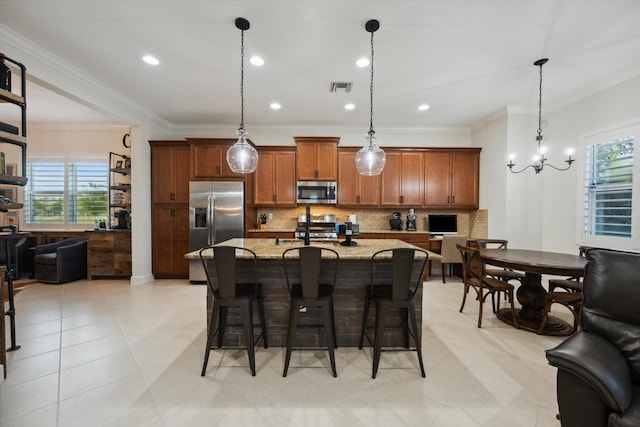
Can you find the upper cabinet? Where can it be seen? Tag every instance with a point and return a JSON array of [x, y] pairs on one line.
[[274, 181], [402, 178], [316, 158], [169, 172], [452, 179], [209, 159], [355, 189]]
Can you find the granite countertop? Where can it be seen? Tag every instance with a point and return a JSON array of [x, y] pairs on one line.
[[267, 249], [363, 231]]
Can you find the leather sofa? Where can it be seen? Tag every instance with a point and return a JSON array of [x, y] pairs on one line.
[[61, 262], [598, 380]]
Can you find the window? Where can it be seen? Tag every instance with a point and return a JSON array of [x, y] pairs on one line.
[[610, 200], [66, 192]]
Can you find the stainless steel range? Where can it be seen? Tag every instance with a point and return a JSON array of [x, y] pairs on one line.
[[321, 227]]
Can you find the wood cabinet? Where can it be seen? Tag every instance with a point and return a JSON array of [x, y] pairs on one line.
[[209, 159], [402, 179], [270, 234], [355, 189], [452, 179], [109, 254], [170, 162], [274, 181], [316, 158], [169, 172], [170, 229]]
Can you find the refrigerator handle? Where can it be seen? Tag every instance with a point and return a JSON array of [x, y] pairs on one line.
[[211, 222]]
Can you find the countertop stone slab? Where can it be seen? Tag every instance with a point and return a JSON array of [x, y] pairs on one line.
[[267, 248]]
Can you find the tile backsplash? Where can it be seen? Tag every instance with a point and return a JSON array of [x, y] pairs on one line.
[[471, 223]]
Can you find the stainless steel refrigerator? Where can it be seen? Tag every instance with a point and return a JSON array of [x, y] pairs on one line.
[[216, 213]]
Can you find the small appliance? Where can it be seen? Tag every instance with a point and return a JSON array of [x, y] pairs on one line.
[[411, 220], [319, 226], [396, 221], [317, 192]]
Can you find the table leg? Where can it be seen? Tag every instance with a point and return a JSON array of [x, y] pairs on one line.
[[531, 295], [12, 308]]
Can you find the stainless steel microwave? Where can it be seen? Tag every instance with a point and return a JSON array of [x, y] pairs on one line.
[[317, 192]]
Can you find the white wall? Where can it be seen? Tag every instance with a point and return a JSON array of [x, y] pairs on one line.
[[540, 211]]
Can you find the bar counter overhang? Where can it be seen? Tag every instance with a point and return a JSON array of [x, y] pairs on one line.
[[349, 294]]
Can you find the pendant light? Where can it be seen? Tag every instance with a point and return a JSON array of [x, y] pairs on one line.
[[540, 160], [370, 159], [241, 156]]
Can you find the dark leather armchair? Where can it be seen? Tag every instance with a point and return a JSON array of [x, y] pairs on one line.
[[599, 367], [61, 262]]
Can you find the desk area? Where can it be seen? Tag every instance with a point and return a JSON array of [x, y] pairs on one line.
[[531, 293], [349, 294]]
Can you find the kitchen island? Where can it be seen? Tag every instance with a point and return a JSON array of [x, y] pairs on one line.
[[348, 297]]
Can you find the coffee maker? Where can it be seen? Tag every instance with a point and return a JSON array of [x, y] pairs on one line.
[[396, 221], [411, 220]]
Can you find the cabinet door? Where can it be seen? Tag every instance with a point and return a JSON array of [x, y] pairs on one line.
[[437, 182], [285, 178], [263, 182], [205, 161], [465, 171], [355, 189], [162, 174], [326, 161], [163, 247], [181, 240], [412, 179], [391, 185], [180, 173], [306, 161], [402, 179]]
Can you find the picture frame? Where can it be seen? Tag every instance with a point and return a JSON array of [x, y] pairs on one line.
[[9, 193], [11, 169]]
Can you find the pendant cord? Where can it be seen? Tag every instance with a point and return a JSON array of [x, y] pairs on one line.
[[539, 138], [371, 131], [242, 80]]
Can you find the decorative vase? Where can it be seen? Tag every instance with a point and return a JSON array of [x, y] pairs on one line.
[[5, 75]]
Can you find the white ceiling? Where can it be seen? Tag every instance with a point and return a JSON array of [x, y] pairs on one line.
[[467, 59]]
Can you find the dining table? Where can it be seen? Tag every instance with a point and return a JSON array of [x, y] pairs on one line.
[[531, 294]]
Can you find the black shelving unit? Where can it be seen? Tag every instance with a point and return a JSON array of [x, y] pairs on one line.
[[19, 139], [119, 183]]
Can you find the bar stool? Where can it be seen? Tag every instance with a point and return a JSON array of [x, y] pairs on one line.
[[231, 292], [313, 288], [396, 290]]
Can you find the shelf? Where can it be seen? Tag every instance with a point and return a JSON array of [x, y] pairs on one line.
[[120, 205], [123, 171], [13, 180], [13, 138], [120, 187], [5, 206], [5, 95]]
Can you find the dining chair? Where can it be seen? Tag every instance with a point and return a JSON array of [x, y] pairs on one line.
[[571, 300], [450, 253], [310, 273], [570, 284], [396, 275], [230, 288], [475, 277], [504, 274]]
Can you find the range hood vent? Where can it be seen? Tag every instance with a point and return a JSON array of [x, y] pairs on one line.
[[343, 87]]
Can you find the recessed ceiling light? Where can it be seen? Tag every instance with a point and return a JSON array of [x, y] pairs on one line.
[[150, 59], [257, 61], [275, 106], [362, 62], [349, 106], [423, 107]]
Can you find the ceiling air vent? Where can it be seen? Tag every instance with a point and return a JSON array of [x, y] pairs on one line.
[[344, 87]]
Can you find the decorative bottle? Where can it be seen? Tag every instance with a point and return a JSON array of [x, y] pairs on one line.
[[5, 75]]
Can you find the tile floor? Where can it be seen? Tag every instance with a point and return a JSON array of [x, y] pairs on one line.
[[104, 353]]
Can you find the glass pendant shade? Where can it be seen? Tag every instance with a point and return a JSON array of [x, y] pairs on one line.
[[241, 156], [370, 159]]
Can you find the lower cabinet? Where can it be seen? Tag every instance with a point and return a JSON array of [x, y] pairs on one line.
[[170, 236], [109, 254]]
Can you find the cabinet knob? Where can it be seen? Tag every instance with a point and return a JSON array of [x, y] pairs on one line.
[[453, 200], [358, 198], [401, 199]]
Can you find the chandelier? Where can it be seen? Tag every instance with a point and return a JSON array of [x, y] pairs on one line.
[[241, 156], [539, 161], [370, 159]]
